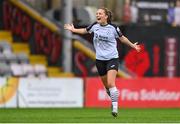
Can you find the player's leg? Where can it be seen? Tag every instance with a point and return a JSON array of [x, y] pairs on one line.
[[112, 68], [104, 80], [108, 71], [102, 70], [111, 76]]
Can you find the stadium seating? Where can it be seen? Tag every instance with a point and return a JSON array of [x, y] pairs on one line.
[[16, 60], [21, 47], [2, 58], [40, 70], [6, 36], [5, 70], [38, 59], [17, 70], [11, 58], [5, 46], [22, 58]]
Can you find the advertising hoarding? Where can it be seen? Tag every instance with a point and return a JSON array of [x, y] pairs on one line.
[[50, 92], [135, 93]]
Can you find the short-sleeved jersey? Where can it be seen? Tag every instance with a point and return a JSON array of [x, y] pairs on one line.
[[104, 40]]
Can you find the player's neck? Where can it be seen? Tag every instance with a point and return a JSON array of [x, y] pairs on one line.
[[104, 24]]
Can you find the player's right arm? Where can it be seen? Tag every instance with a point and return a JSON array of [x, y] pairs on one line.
[[71, 28]]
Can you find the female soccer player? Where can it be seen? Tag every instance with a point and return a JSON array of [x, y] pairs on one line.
[[107, 59]]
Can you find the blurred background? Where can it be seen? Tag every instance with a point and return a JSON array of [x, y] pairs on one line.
[[35, 48]]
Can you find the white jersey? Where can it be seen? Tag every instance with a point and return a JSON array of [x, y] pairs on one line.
[[104, 40]]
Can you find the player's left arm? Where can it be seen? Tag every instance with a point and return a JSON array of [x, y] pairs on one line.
[[126, 41]]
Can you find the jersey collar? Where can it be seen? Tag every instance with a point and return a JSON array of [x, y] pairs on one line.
[[104, 25]]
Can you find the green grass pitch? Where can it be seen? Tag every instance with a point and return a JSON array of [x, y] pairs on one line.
[[89, 115]]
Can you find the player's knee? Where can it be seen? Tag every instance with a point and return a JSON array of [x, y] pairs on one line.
[[110, 84]]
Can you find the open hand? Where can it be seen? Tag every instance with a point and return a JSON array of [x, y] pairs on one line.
[[137, 47], [69, 27]]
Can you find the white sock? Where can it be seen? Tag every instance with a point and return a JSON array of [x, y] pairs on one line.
[[114, 97]]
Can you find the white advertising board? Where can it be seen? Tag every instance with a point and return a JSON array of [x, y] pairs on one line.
[[50, 92]]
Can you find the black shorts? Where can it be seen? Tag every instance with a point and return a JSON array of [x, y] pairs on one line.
[[103, 66]]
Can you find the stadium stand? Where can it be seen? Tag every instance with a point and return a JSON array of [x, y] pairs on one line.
[[17, 70], [16, 60], [4, 46], [40, 70], [5, 70], [22, 58], [21, 47], [2, 58], [11, 58], [6, 36]]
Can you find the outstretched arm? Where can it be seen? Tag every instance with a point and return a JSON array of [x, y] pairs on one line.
[[71, 28], [126, 41]]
